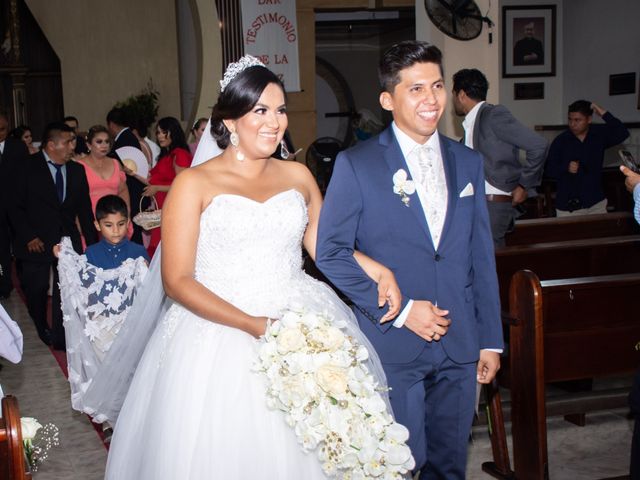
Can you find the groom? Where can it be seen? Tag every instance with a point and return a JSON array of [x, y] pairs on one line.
[[414, 200]]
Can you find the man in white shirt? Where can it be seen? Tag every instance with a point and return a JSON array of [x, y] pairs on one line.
[[494, 132]]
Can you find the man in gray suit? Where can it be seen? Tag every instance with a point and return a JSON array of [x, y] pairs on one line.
[[498, 136]]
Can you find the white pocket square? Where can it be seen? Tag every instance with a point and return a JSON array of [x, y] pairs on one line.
[[467, 191]]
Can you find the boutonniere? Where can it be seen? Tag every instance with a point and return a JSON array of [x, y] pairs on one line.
[[402, 186]]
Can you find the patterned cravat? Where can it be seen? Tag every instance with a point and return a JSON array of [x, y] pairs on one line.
[[433, 180]]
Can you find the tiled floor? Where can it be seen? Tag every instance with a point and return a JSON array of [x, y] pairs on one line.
[[600, 449]]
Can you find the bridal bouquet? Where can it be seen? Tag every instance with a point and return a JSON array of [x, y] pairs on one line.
[[316, 374], [37, 440]]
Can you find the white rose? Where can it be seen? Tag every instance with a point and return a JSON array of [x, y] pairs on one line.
[[332, 379], [290, 340], [30, 427], [332, 338], [293, 391]]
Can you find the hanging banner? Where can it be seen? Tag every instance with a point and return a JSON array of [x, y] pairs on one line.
[[270, 32]]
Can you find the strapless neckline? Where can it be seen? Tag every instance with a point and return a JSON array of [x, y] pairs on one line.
[[257, 202]]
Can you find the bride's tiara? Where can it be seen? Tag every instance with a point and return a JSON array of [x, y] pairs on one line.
[[237, 67]]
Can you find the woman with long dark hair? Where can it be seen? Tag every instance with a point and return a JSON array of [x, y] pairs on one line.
[[174, 157], [24, 133]]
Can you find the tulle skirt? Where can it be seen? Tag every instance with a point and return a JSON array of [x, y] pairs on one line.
[[196, 410]]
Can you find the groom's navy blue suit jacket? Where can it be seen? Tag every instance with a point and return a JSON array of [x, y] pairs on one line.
[[361, 211]]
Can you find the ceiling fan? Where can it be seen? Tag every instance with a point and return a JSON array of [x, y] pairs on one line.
[[460, 19]]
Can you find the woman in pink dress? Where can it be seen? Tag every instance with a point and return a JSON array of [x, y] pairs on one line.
[[104, 174], [174, 157]]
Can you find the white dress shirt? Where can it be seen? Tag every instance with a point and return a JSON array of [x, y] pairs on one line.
[[469, 124], [408, 146], [53, 171]]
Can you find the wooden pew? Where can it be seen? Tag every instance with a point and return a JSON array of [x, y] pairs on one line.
[[560, 330], [557, 229], [12, 458], [568, 259]]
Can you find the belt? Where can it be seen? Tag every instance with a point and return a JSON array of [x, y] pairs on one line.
[[499, 198]]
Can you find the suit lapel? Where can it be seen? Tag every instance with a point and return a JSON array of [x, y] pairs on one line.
[[449, 162], [396, 161], [49, 186]]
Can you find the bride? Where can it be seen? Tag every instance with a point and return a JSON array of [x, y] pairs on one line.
[[232, 230]]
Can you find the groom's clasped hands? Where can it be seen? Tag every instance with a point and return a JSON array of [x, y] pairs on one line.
[[427, 320], [424, 319]]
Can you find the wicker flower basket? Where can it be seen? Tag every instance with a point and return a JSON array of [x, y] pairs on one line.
[[149, 219]]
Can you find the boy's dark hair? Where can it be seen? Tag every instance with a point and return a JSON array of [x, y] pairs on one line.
[[404, 55], [70, 118], [473, 82], [110, 204], [581, 106]]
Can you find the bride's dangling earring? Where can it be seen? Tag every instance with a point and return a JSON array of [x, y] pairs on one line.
[[284, 151], [234, 138]]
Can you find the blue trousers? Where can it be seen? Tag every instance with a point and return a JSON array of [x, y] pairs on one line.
[[434, 398]]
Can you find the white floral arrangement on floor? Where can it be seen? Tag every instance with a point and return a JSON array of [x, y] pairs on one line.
[[37, 440], [317, 376]]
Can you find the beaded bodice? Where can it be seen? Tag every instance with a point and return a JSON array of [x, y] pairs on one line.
[[249, 252]]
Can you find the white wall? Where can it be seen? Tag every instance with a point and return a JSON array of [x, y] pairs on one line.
[[477, 53], [601, 38], [109, 51]]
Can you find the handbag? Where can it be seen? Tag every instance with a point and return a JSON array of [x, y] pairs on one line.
[[149, 219]]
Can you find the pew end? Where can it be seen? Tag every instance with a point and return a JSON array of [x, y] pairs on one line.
[[562, 332], [12, 458]]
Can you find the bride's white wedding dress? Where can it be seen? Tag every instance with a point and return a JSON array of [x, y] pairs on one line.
[[195, 408]]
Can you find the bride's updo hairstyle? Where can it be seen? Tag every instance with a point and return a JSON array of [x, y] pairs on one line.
[[238, 98]]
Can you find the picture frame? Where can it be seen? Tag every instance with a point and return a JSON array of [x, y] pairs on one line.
[[529, 41]]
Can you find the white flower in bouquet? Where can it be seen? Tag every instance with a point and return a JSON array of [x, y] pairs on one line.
[[290, 340], [329, 338], [332, 379], [317, 376]]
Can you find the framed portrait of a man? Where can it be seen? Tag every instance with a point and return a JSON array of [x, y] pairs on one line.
[[529, 41]]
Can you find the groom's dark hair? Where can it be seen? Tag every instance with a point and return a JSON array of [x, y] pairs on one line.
[[403, 55]]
